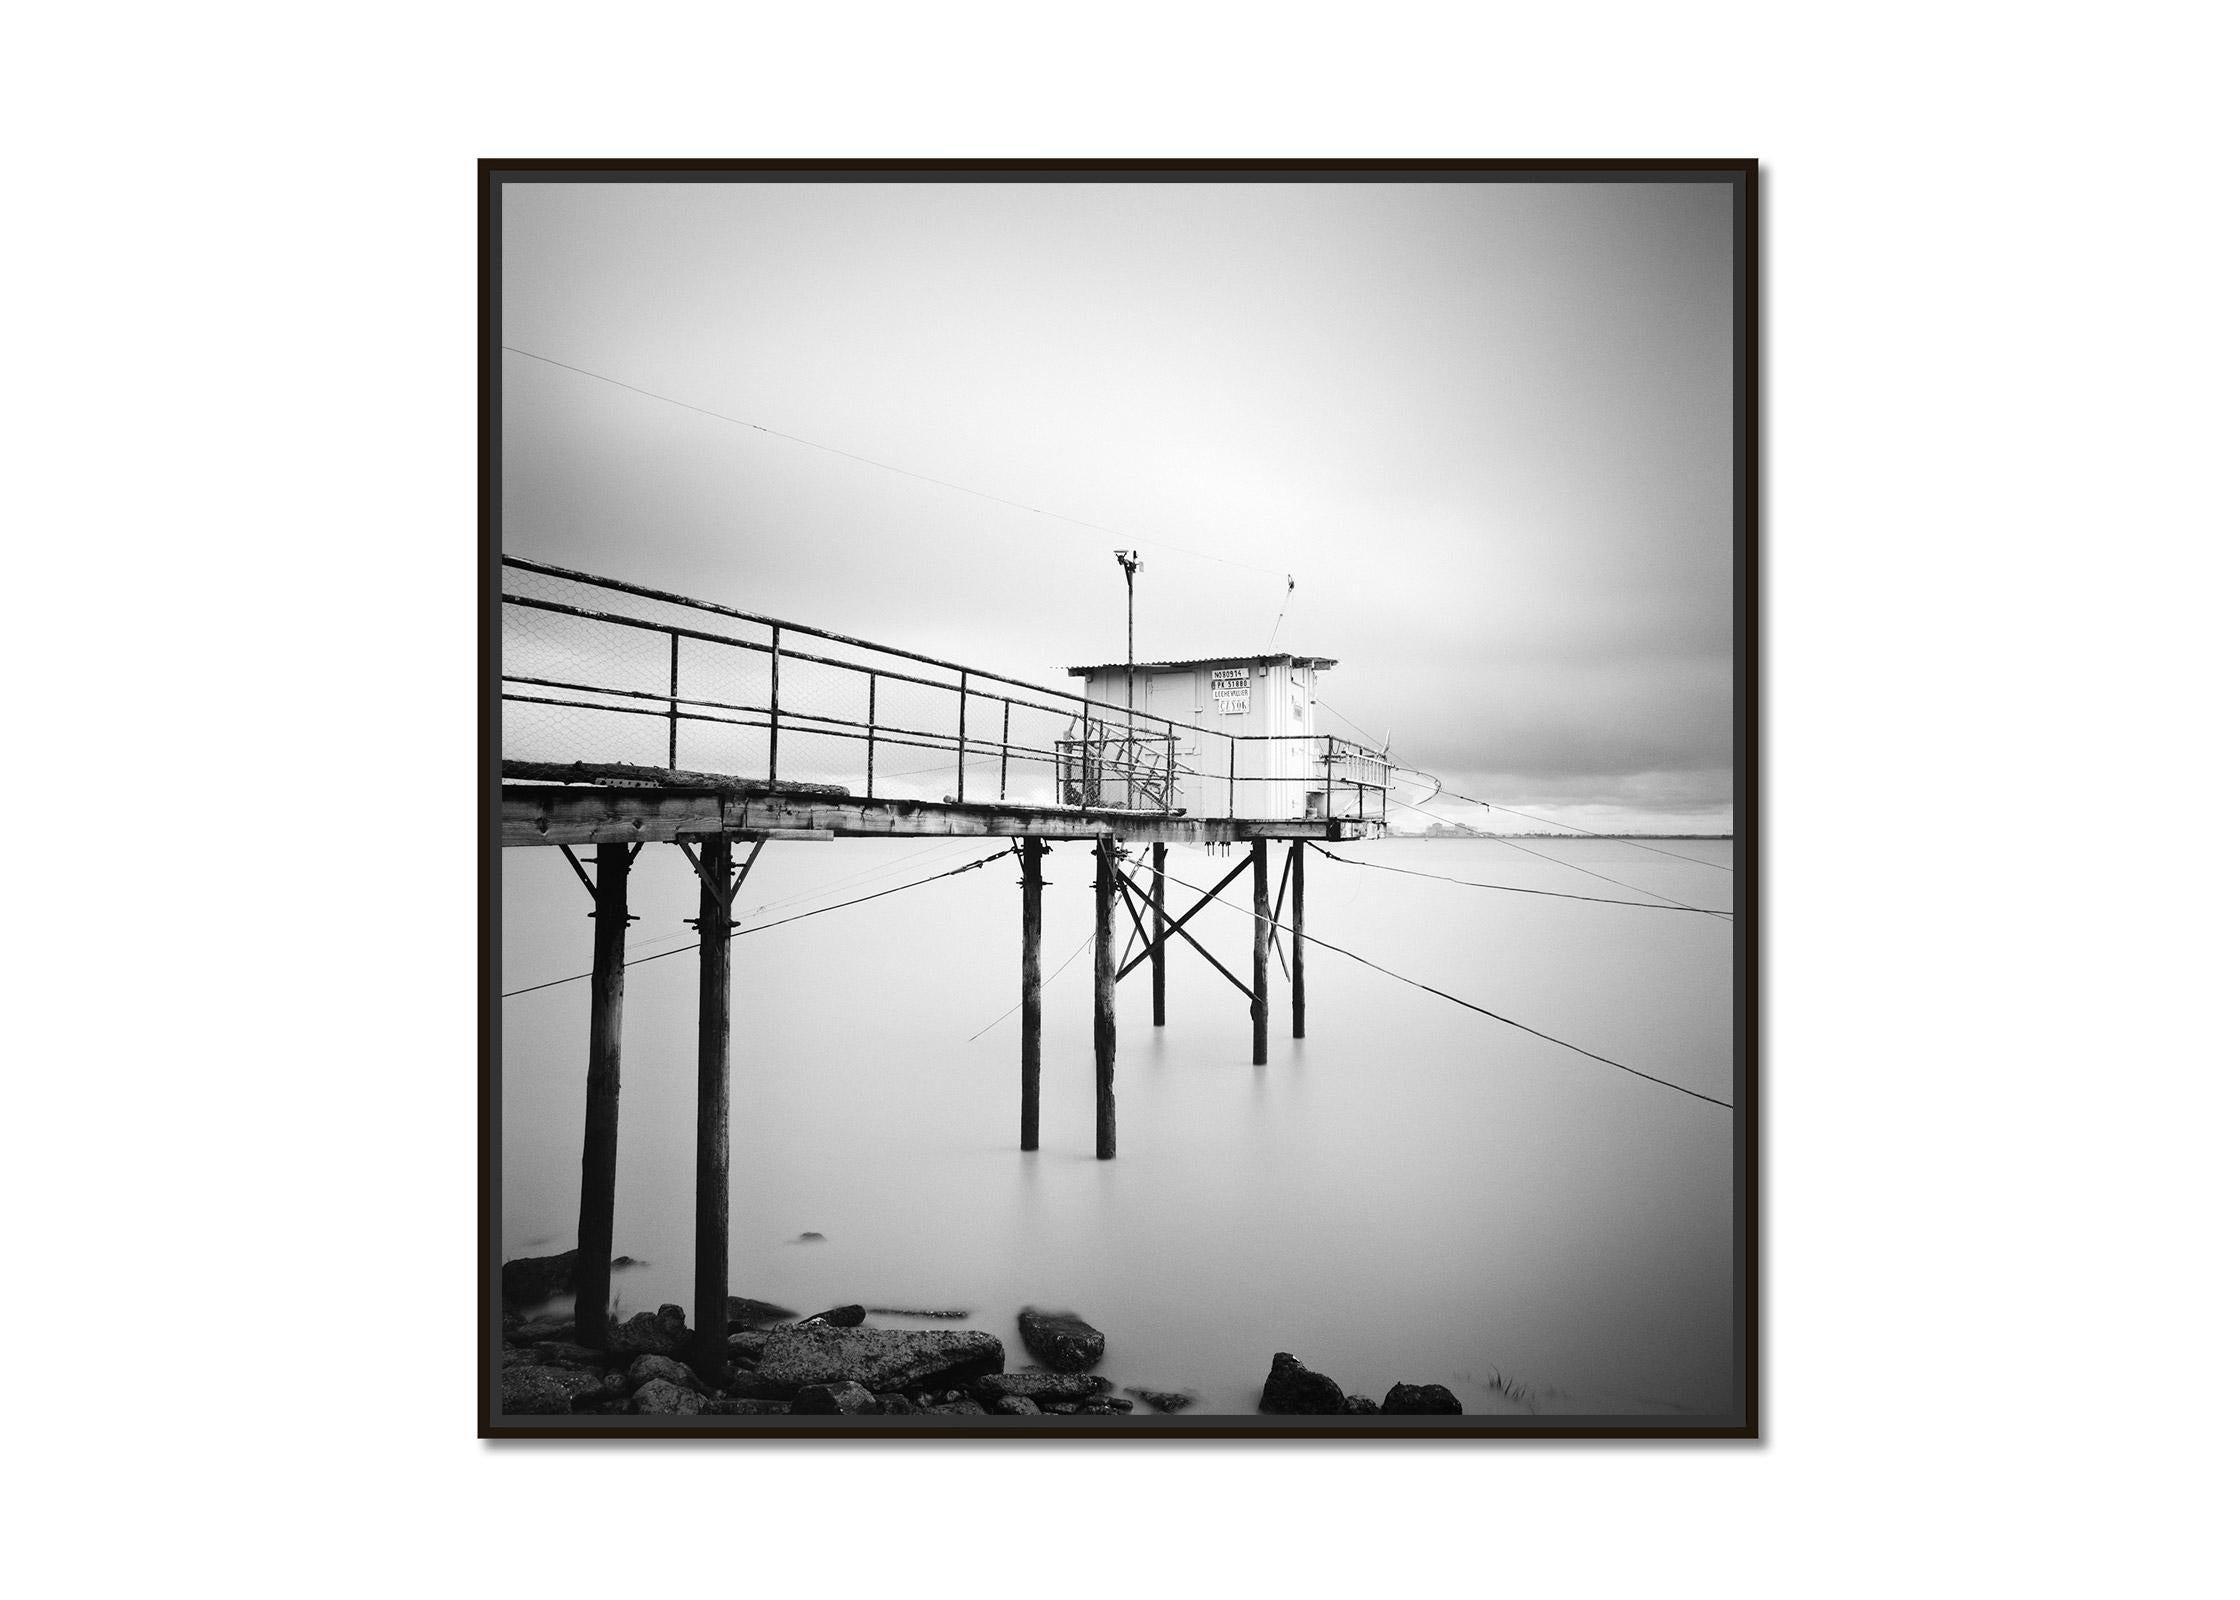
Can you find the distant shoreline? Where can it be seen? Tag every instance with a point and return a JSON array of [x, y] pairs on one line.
[[1482, 834]]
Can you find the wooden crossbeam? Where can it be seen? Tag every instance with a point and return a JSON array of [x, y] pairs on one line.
[[1191, 940], [1204, 900]]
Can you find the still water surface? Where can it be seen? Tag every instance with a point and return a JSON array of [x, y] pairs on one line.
[[1411, 1193]]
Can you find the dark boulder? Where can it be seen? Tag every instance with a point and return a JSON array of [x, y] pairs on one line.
[[646, 1369], [544, 1391], [746, 1348], [837, 1317], [651, 1333], [1360, 1405], [1015, 1405], [532, 1280], [957, 1408], [663, 1399], [895, 1404], [561, 1353], [880, 1359], [1107, 1405], [1060, 1340], [743, 1313], [1167, 1400], [1038, 1386], [1421, 1400], [1061, 1408], [1292, 1390], [835, 1399]]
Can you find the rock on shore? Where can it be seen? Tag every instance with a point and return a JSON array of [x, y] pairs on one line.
[[1421, 1400], [532, 1280], [881, 1360], [1060, 1340], [544, 1391], [651, 1333], [1039, 1386], [1293, 1390]]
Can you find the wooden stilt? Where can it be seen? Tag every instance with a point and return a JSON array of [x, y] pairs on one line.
[[1260, 942], [711, 1201], [602, 1096], [1298, 938], [1159, 943], [1030, 994], [1102, 1031]]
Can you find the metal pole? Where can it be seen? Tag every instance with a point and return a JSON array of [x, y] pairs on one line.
[[1158, 935], [672, 702], [871, 737], [773, 703], [602, 1097], [1030, 994], [711, 1197], [1003, 761], [1102, 1030], [1260, 941], [963, 678], [1232, 777], [1298, 938]]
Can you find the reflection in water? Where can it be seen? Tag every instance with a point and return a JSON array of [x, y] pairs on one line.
[[1412, 1193]]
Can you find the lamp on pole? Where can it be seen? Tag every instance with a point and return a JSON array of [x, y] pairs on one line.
[[1130, 563]]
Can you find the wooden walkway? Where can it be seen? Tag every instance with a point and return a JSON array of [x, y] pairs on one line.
[[544, 803]]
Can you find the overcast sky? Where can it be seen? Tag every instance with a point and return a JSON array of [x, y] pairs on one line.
[[1487, 426]]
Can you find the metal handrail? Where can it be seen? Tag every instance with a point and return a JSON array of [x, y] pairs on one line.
[[1146, 767]]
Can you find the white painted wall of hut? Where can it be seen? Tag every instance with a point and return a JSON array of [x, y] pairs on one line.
[[1277, 772]]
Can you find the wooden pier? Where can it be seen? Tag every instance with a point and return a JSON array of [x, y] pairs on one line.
[[617, 805]]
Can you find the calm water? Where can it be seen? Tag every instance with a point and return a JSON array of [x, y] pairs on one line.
[[1412, 1193]]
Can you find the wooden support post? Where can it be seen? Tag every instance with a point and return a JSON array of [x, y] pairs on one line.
[[602, 1097], [1260, 942], [1102, 1032], [1158, 940], [1030, 994], [711, 1196], [1298, 938]]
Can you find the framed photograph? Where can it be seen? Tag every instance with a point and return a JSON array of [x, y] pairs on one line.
[[1119, 799]]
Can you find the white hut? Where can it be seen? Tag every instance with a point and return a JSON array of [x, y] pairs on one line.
[[1237, 734]]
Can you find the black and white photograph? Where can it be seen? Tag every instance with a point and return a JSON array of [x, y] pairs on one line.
[[1119, 800], [1265, 800]]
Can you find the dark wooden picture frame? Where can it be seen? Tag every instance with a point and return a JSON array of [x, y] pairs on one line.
[[508, 804]]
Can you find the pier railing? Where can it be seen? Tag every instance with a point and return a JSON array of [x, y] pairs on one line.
[[601, 671]]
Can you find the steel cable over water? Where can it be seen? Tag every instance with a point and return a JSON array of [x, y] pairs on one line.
[[1468, 1005], [1276, 924], [1510, 888], [765, 927], [1571, 866]]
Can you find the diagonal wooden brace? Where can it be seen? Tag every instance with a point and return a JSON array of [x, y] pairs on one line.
[[1190, 939], [1174, 924], [724, 894]]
